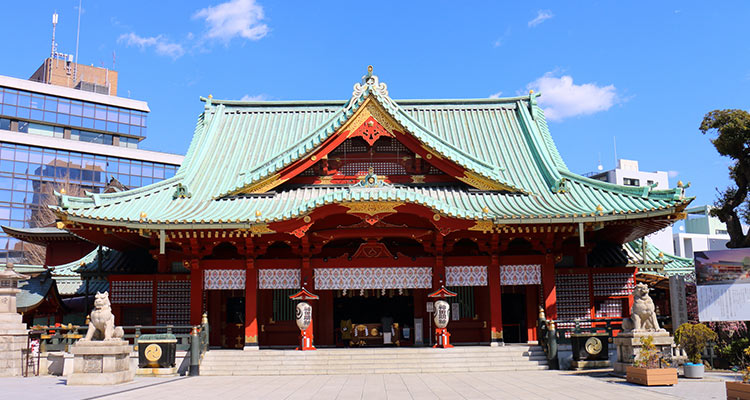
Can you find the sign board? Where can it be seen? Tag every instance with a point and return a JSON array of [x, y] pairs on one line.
[[418, 330], [723, 284], [678, 300], [455, 311], [430, 307]]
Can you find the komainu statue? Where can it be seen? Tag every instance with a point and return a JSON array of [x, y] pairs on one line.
[[643, 314], [102, 322]]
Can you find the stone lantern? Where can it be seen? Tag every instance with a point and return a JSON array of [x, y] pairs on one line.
[[13, 332]]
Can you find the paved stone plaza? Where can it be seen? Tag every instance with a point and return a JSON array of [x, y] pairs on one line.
[[477, 385]]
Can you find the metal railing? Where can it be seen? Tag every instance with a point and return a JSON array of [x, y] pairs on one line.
[[189, 338], [588, 325]]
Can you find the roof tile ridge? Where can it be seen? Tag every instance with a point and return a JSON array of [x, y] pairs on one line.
[[675, 194], [74, 264], [211, 118], [198, 132], [541, 122], [99, 199], [651, 247], [539, 151]]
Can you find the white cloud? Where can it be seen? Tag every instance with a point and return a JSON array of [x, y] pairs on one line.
[[673, 174], [161, 44], [235, 18], [257, 97], [502, 39], [561, 98], [496, 95], [541, 16]]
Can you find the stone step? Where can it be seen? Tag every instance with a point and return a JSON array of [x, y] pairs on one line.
[[366, 358], [262, 354], [373, 361], [467, 363], [362, 371]]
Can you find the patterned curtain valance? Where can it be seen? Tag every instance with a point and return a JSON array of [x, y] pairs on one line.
[[373, 278], [224, 279], [521, 274], [278, 279], [472, 275]]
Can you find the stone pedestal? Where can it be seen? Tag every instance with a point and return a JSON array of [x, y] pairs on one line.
[[13, 337], [628, 345], [13, 332], [101, 363]]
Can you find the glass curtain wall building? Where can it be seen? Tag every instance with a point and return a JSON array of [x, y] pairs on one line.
[[51, 134]]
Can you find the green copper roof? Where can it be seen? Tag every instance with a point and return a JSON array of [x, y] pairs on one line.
[[657, 262], [237, 144]]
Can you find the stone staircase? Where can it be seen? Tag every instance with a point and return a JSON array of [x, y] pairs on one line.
[[388, 360]]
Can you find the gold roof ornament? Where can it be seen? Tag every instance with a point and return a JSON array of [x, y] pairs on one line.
[[143, 215]]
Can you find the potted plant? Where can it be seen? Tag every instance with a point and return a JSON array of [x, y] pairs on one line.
[[693, 338], [650, 368], [740, 390]]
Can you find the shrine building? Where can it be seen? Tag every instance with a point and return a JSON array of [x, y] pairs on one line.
[[371, 204]]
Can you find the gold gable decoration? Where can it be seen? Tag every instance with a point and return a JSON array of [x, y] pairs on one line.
[[372, 208], [482, 183], [371, 108], [483, 226]]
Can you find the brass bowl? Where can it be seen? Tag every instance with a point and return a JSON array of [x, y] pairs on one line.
[[374, 332]]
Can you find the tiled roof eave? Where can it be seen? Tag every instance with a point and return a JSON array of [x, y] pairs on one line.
[[497, 221]]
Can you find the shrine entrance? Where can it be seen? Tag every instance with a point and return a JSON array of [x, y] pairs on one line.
[[519, 308], [371, 318], [228, 323]]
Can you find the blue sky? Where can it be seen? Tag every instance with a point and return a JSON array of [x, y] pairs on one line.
[[645, 73]]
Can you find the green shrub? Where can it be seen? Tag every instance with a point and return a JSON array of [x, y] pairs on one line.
[[693, 339], [648, 356], [734, 352]]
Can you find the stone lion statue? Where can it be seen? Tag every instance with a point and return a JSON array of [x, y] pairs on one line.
[[101, 321], [643, 314]]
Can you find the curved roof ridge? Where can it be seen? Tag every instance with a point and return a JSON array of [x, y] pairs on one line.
[[539, 151], [198, 132], [341, 103], [637, 191], [541, 122], [95, 198]]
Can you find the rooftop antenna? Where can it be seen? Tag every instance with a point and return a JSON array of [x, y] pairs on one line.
[[78, 36], [600, 166], [54, 27], [48, 75]]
